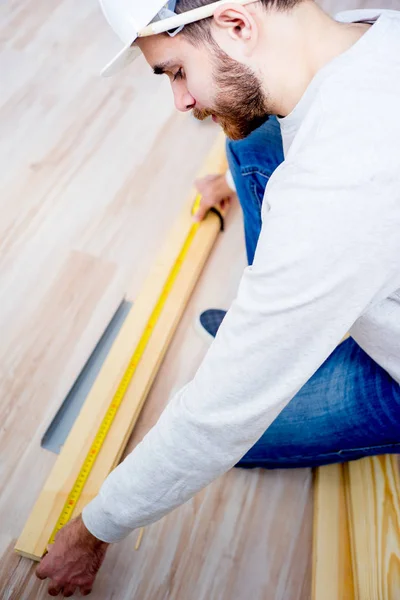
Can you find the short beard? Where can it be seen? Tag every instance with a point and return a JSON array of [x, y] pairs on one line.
[[240, 105]]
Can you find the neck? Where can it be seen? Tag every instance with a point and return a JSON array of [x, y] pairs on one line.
[[297, 45]]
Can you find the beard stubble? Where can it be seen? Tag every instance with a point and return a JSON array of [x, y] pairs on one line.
[[240, 105]]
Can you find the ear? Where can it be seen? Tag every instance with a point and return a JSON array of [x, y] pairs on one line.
[[238, 22]]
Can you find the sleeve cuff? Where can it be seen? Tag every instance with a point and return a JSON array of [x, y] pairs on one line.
[[98, 522], [229, 181]]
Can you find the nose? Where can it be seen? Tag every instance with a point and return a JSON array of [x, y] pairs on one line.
[[184, 101]]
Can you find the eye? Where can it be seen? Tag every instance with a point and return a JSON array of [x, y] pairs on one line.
[[178, 75]]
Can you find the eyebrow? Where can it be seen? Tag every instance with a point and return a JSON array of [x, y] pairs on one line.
[[164, 67]]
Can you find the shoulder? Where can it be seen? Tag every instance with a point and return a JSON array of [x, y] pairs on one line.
[[349, 137]]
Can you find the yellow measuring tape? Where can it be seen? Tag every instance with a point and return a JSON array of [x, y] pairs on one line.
[[119, 395]]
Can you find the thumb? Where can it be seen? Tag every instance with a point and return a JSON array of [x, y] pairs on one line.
[[202, 211], [41, 570]]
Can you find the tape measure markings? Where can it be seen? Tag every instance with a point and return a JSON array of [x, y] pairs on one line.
[[120, 393]]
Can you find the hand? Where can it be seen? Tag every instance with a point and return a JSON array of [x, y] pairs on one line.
[[214, 191], [72, 561]]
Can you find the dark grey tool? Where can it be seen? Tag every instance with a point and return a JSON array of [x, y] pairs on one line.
[[59, 429]]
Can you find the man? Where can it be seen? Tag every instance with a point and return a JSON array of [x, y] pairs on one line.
[[277, 388]]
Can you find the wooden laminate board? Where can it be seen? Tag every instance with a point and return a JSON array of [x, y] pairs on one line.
[[332, 567], [373, 488]]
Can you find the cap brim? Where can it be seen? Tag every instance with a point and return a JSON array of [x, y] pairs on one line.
[[122, 60]]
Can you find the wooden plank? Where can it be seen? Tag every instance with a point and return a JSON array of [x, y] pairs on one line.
[[374, 509], [332, 570], [33, 540]]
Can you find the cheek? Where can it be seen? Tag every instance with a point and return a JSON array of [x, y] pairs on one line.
[[202, 94], [201, 87]]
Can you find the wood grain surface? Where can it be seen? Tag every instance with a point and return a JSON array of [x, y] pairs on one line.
[[332, 567], [93, 174], [374, 508]]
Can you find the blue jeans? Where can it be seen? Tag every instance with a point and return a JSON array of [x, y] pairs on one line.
[[350, 408]]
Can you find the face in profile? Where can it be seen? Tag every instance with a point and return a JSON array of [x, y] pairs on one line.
[[240, 105]]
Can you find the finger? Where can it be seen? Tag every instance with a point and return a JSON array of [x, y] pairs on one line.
[[41, 572], [54, 589], [205, 205], [69, 591], [225, 203], [40, 575], [86, 591], [201, 213]]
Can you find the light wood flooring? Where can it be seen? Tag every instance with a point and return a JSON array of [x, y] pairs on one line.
[[93, 174]]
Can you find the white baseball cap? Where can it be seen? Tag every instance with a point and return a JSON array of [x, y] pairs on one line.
[[131, 19]]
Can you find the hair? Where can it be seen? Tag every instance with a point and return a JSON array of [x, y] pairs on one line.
[[200, 31]]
